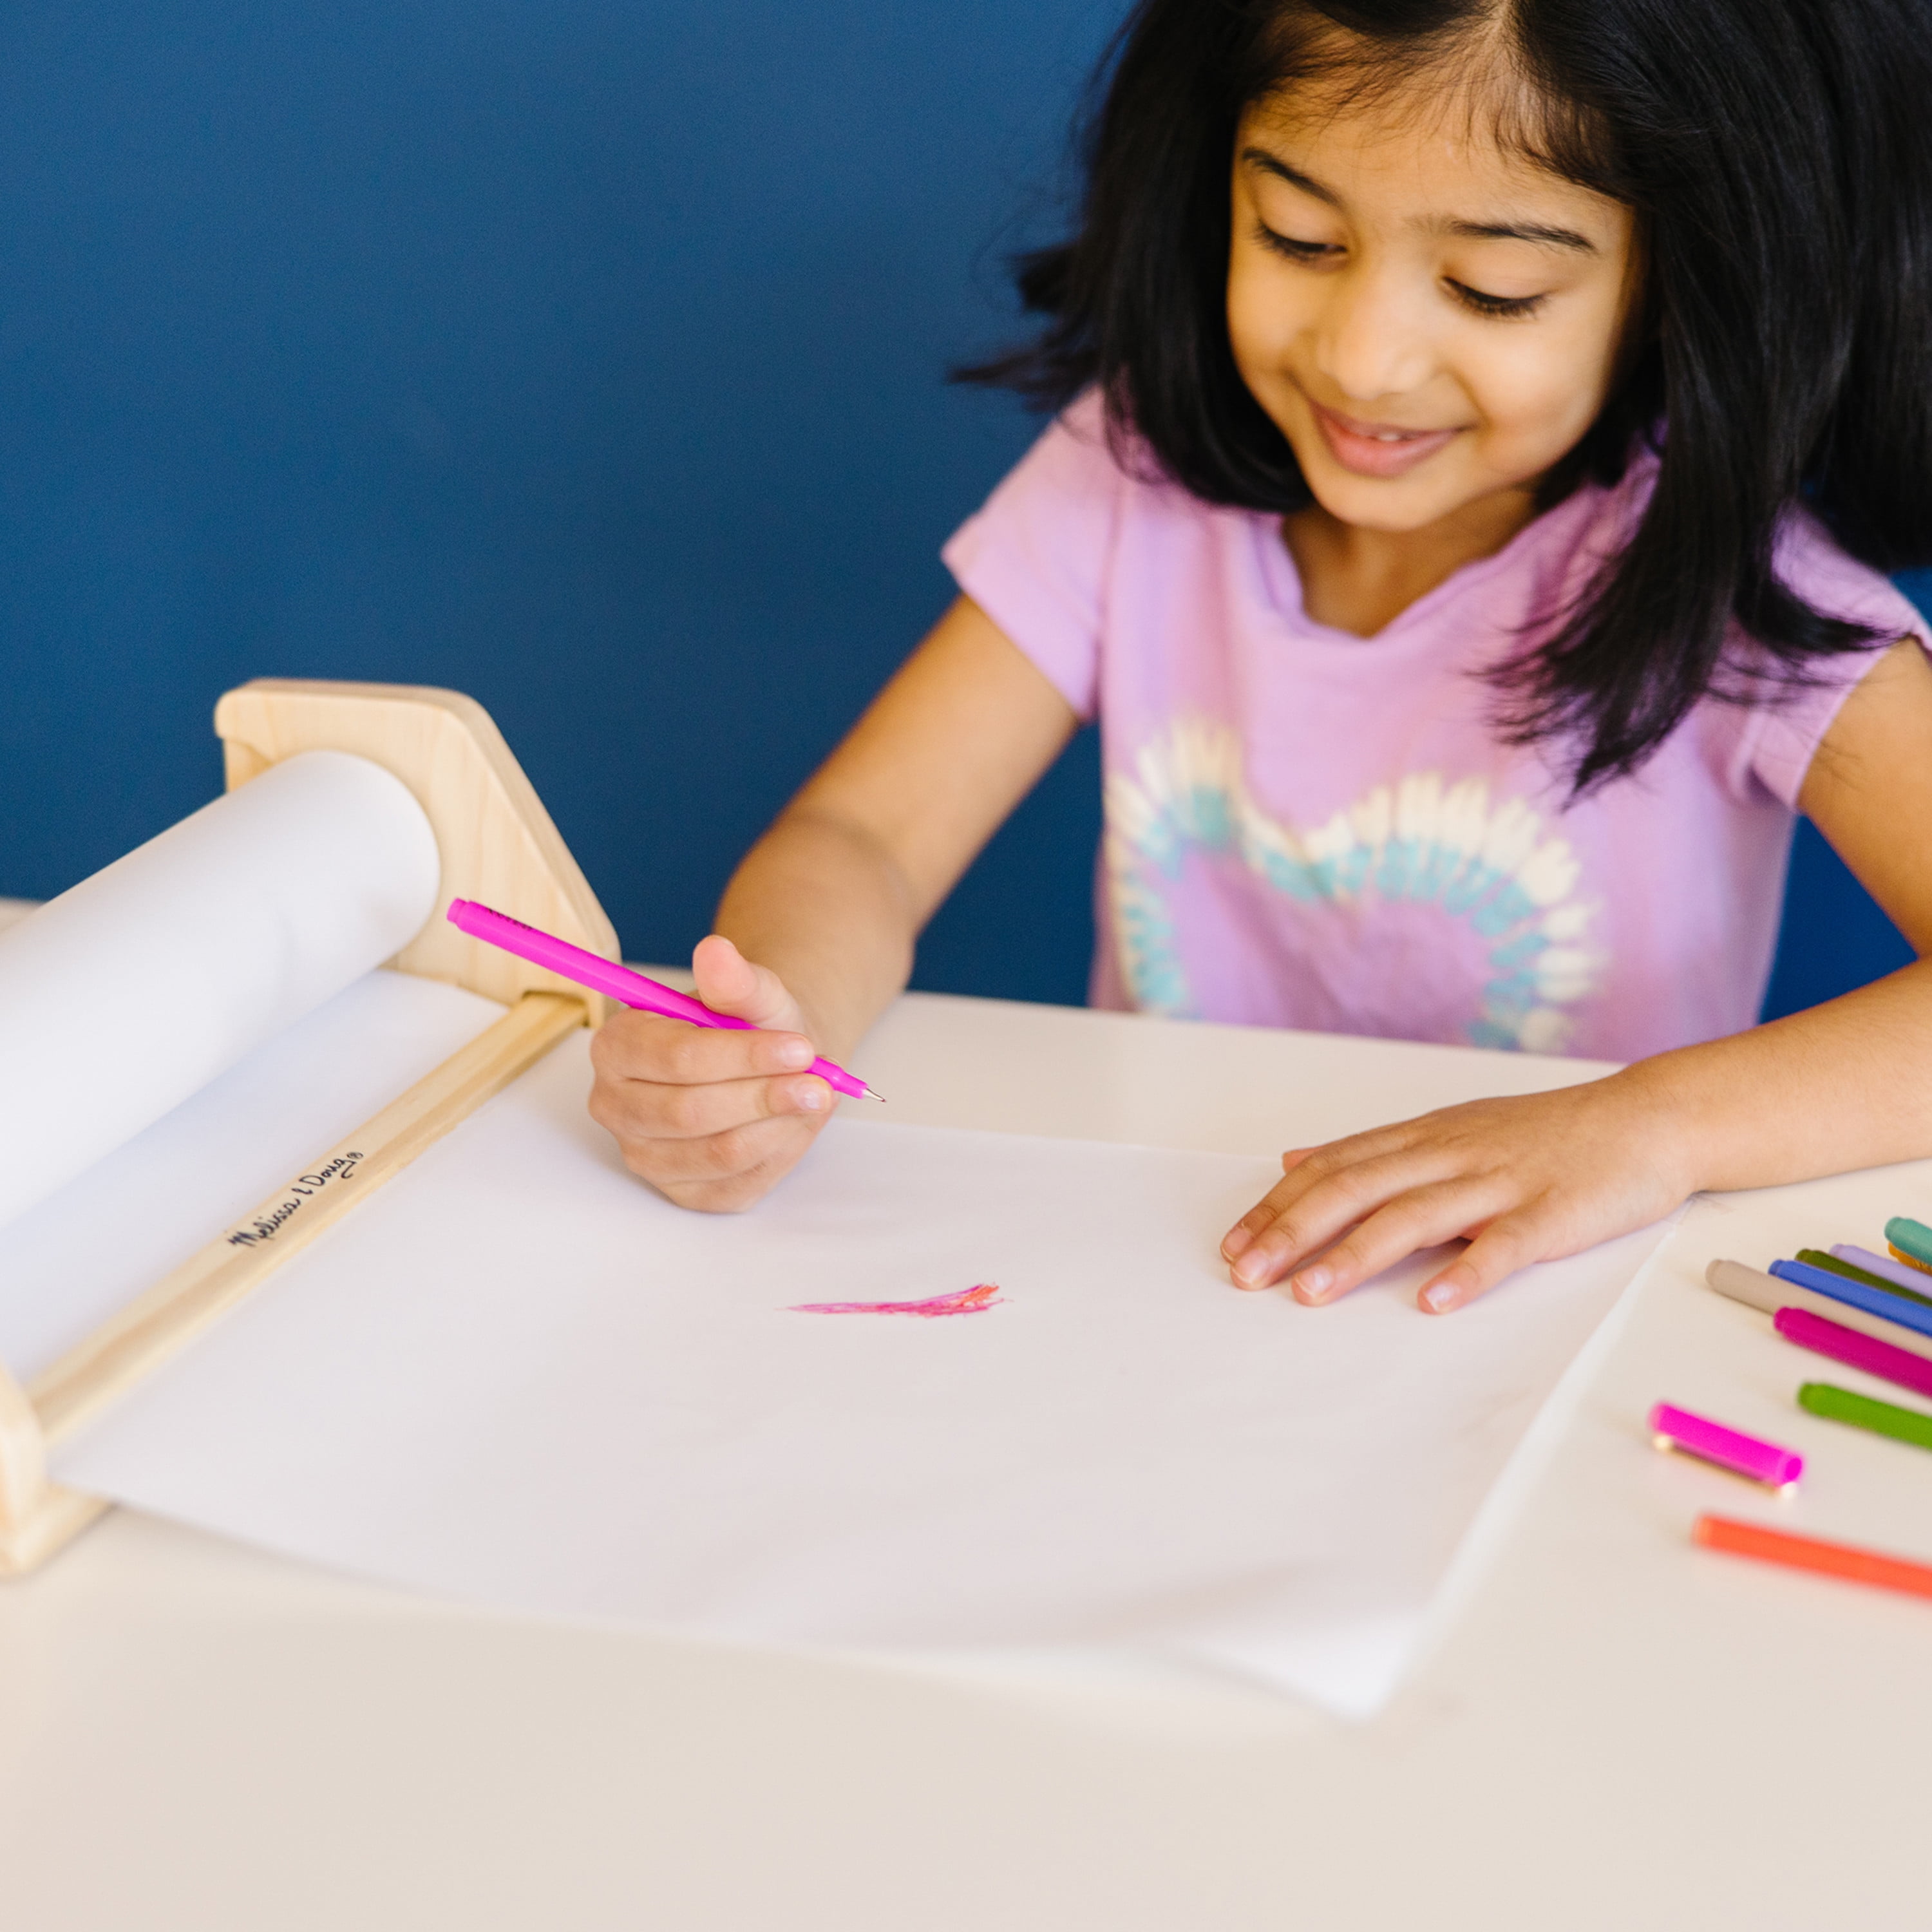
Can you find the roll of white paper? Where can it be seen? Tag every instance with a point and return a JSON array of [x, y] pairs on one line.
[[121, 997]]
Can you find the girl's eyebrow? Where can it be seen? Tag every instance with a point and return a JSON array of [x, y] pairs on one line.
[[1518, 231], [1274, 165], [1540, 233]]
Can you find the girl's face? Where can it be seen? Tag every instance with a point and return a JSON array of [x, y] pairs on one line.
[[1429, 320]]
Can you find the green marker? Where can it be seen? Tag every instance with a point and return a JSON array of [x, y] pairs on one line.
[[1881, 1418], [1911, 1237], [1817, 1257]]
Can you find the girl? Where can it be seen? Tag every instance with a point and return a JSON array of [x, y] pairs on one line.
[[1485, 426]]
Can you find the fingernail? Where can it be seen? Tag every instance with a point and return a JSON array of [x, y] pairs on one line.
[[794, 1053], [1439, 1297], [1239, 1240], [1312, 1284], [811, 1096], [1251, 1267]]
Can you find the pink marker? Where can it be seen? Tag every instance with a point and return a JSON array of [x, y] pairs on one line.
[[618, 982], [1728, 1448], [1902, 1366]]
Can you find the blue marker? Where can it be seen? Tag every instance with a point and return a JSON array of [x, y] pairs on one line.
[[1907, 1312]]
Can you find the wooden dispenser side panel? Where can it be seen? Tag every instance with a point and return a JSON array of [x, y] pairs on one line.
[[498, 844], [36, 1517], [59, 1517], [23, 1456]]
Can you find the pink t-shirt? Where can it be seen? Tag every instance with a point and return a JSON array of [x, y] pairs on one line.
[[1305, 828]]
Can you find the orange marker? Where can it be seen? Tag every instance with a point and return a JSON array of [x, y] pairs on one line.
[[1807, 1553]]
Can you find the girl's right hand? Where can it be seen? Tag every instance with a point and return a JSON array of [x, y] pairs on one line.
[[712, 1118]]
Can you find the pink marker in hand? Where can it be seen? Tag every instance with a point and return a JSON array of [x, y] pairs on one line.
[[618, 982]]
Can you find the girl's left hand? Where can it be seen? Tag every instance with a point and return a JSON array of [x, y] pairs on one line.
[[1525, 1179]]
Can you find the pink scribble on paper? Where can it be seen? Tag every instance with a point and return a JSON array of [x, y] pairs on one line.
[[961, 1301]]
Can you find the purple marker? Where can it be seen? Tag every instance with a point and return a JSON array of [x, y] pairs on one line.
[[1728, 1448], [618, 982], [1914, 1281]]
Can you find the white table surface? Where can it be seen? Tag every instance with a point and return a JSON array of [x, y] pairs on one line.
[[1610, 1729]]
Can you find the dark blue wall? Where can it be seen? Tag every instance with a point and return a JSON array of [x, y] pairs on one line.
[[584, 356], [1835, 937]]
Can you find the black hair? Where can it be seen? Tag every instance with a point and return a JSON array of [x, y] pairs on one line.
[[1777, 158]]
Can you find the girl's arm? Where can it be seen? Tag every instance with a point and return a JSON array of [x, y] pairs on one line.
[[828, 903], [1848, 1085]]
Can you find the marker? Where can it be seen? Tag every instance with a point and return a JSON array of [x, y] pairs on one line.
[[619, 982], [1892, 1305], [1852, 1270], [1810, 1552], [1911, 1240], [1756, 1289], [1901, 1275], [1860, 1412], [1855, 1350], [1729, 1448]]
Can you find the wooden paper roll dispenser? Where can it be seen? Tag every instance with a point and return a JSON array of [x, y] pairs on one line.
[[495, 843]]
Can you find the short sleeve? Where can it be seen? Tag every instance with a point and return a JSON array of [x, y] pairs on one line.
[[1035, 559], [1787, 728]]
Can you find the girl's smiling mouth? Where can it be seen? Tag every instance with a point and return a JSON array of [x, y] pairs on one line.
[[1376, 449]]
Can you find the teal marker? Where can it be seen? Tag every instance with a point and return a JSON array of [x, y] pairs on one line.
[[1881, 1418], [1910, 1237]]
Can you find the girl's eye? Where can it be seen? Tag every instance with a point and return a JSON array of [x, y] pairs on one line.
[[1286, 245], [1498, 305], [1503, 306]]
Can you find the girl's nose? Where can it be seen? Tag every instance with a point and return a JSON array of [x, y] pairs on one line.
[[1370, 342]]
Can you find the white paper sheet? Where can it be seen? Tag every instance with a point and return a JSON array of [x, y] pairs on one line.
[[518, 1376], [68, 1264]]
